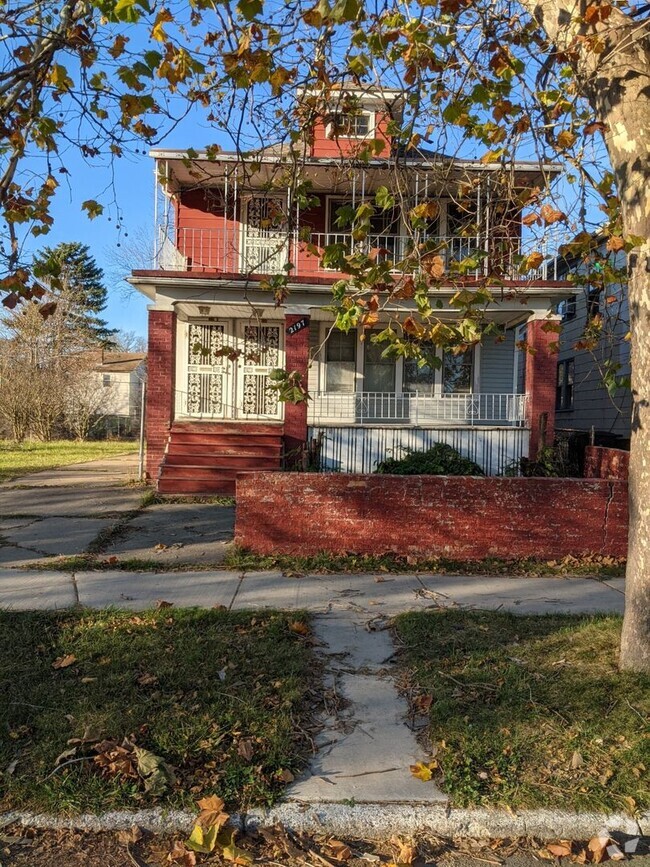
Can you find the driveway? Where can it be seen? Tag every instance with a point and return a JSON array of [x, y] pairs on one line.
[[98, 507]]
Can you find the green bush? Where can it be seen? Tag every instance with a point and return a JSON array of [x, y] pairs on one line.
[[439, 460]]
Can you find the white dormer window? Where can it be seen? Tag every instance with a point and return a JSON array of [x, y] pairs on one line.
[[350, 125]]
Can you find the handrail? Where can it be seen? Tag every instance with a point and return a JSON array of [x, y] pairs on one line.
[[231, 249]]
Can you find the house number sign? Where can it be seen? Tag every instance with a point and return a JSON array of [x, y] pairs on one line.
[[298, 326]]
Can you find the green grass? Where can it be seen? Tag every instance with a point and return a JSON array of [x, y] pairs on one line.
[[16, 459], [530, 711], [595, 566], [190, 685]]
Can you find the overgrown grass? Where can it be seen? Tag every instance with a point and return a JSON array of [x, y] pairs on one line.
[[189, 685], [16, 459], [596, 565], [530, 711]]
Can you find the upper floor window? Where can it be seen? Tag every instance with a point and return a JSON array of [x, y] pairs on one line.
[[565, 382], [106, 380], [351, 125], [567, 308]]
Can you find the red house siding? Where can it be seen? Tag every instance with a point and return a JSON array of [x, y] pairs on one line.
[[464, 518]]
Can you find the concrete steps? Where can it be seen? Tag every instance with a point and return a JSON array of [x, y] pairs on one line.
[[206, 458]]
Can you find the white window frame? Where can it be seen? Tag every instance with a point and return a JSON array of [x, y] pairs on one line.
[[330, 128]]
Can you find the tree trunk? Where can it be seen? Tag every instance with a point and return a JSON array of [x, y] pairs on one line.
[[616, 84], [621, 100]]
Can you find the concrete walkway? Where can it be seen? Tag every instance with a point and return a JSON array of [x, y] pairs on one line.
[[364, 747]]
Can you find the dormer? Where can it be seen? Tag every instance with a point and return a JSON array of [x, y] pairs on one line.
[[350, 119]]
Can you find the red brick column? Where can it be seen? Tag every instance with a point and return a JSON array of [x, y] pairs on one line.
[[541, 381], [297, 358], [161, 362]]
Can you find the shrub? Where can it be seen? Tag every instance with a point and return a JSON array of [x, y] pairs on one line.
[[439, 460]]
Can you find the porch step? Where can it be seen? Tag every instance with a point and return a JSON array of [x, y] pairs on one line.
[[205, 458], [224, 439], [217, 450], [226, 427], [219, 462]]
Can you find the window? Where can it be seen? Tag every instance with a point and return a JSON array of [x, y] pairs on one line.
[[351, 125], [420, 379], [341, 361], [567, 309], [593, 301], [565, 380], [457, 372], [378, 372], [106, 380]]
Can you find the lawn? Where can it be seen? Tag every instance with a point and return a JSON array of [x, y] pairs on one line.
[[529, 711], [220, 699], [17, 459]]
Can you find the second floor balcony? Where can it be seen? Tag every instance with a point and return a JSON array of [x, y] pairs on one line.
[[236, 249]]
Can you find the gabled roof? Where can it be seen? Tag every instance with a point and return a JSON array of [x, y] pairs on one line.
[[107, 361]]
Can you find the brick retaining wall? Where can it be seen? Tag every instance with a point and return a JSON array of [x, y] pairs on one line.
[[463, 518], [606, 463]]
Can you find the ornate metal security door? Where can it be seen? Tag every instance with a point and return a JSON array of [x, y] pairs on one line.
[[208, 374], [266, 244], [261, 352]]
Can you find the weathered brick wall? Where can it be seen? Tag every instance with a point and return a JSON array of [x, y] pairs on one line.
[[606, 463], [160, 386], [541, 378], [427, 516], [297, 358]]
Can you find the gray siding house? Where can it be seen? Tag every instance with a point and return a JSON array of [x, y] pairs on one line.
[[583, 401]]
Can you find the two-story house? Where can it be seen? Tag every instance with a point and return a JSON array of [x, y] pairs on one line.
[[229, 223]]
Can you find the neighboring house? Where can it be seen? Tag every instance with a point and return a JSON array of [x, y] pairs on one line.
[[583, 401], [122, 376], [228, 224]]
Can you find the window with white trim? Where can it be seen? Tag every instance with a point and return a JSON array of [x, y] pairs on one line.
[[350, 124]]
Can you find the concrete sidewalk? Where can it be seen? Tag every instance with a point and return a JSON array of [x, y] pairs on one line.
[[368, 595]]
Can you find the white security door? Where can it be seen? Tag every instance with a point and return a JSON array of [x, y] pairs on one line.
[[265, 240], [261, 352], [209, 382]]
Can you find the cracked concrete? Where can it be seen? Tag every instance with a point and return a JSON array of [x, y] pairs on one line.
[[177, 533], [366, 748]]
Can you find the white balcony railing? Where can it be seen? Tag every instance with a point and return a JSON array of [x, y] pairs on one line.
[[231, 250], [417, 409]]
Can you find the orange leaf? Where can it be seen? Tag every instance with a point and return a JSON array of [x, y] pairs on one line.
[[212, 813], [64, 661], [551, 215], [299, 627], [560, 850], [615, 243]]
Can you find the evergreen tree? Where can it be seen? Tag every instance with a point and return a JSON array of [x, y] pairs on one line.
[[76, 282]]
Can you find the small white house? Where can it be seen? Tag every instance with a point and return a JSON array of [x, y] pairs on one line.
[[123, 375]]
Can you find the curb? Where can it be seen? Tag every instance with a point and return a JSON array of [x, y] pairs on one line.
[[371, 821]]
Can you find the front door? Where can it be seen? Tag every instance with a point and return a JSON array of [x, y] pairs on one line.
[[265, 240], [208, 372], [260, 347]]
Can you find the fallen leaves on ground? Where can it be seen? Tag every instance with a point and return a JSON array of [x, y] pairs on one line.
[[64, 661], [600, 848], [424, 770]]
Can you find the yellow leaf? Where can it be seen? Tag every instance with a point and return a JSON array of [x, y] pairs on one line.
[[532, 262], [203, 839], [566, 138], [424, 771], [230, 852], [157, 31]]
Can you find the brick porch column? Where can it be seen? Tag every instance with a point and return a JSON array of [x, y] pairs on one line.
[[297, 358], [161, 362], [541, 379]]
